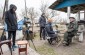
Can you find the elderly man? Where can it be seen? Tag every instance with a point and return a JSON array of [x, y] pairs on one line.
[[71, 31]]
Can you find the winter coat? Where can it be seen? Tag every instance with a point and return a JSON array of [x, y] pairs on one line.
[[50, 31], [42, 21], [11, 19], [73, 27]]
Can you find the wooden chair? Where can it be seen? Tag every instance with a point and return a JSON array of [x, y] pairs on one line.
[[8, 42]]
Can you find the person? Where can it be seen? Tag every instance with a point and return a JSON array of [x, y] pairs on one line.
[[11, 21], [50, 31], [57, 31], [28, 34], [72, 29], [42, 22]]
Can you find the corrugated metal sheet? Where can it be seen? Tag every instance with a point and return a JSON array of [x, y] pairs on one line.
[[62, 5]]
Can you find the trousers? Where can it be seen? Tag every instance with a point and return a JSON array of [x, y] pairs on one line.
[[42, 32], [12, 34]]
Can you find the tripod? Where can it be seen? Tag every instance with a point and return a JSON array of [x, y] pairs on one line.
[[29, 36]]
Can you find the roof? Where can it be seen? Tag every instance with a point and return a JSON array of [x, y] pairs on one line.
[[61, 5], [55, 3]]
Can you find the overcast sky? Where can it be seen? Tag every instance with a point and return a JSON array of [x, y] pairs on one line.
[[31, 3]]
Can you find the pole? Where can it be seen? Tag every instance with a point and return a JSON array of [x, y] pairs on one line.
[[33, 44], [84, 15], [84, 18], [25, 8], [7, 5], [78, 16], [69, 11]]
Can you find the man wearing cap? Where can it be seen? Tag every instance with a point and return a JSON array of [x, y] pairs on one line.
[[72, 29], [11, 21]]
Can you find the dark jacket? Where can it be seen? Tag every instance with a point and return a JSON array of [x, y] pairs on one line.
[[42, 21], [11, 19], [49, 30]]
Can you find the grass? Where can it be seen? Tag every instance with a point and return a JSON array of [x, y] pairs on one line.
[[43, 49]]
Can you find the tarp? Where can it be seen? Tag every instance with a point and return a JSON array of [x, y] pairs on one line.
[[20, 24]]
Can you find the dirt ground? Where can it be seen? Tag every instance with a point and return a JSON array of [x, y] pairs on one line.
[[43, 48], [76, 48]]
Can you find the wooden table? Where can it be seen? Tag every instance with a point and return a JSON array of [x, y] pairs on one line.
[[22, 49]]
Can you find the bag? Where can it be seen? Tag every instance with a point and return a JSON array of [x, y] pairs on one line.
[[3, 37]]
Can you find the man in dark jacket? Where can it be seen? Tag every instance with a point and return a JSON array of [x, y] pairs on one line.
[[11, 21], [50, 31], [42, 22]]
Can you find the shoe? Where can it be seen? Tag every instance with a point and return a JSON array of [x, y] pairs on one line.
[[40, 38], [14, 46], [44, 39], [64, 42]]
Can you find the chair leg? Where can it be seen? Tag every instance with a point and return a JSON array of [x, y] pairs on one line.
[[11, 51], [26, 49], [1, 51], [19, 51], [9, 44]]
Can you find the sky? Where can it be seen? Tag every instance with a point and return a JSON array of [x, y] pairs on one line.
[[30, 3], [33, 3]]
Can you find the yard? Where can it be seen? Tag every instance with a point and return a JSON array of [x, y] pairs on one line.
[[43, 48]]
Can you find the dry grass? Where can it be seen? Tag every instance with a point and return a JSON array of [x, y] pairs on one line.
[[42, 47]]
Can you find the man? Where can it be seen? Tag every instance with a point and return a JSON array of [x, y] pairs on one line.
[[42, 22], [11, 21], [50, 31], [72, 31]]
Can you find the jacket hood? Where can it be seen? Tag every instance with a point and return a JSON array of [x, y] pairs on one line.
[[12, 6]]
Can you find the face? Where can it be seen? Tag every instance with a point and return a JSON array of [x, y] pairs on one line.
[[50, 21], [71, 19], [14, 9]]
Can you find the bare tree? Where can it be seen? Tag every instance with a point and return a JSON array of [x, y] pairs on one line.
[[1, 13], [48, 12], [31, 13], [51, 13], [43, 7], [23, 13]]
